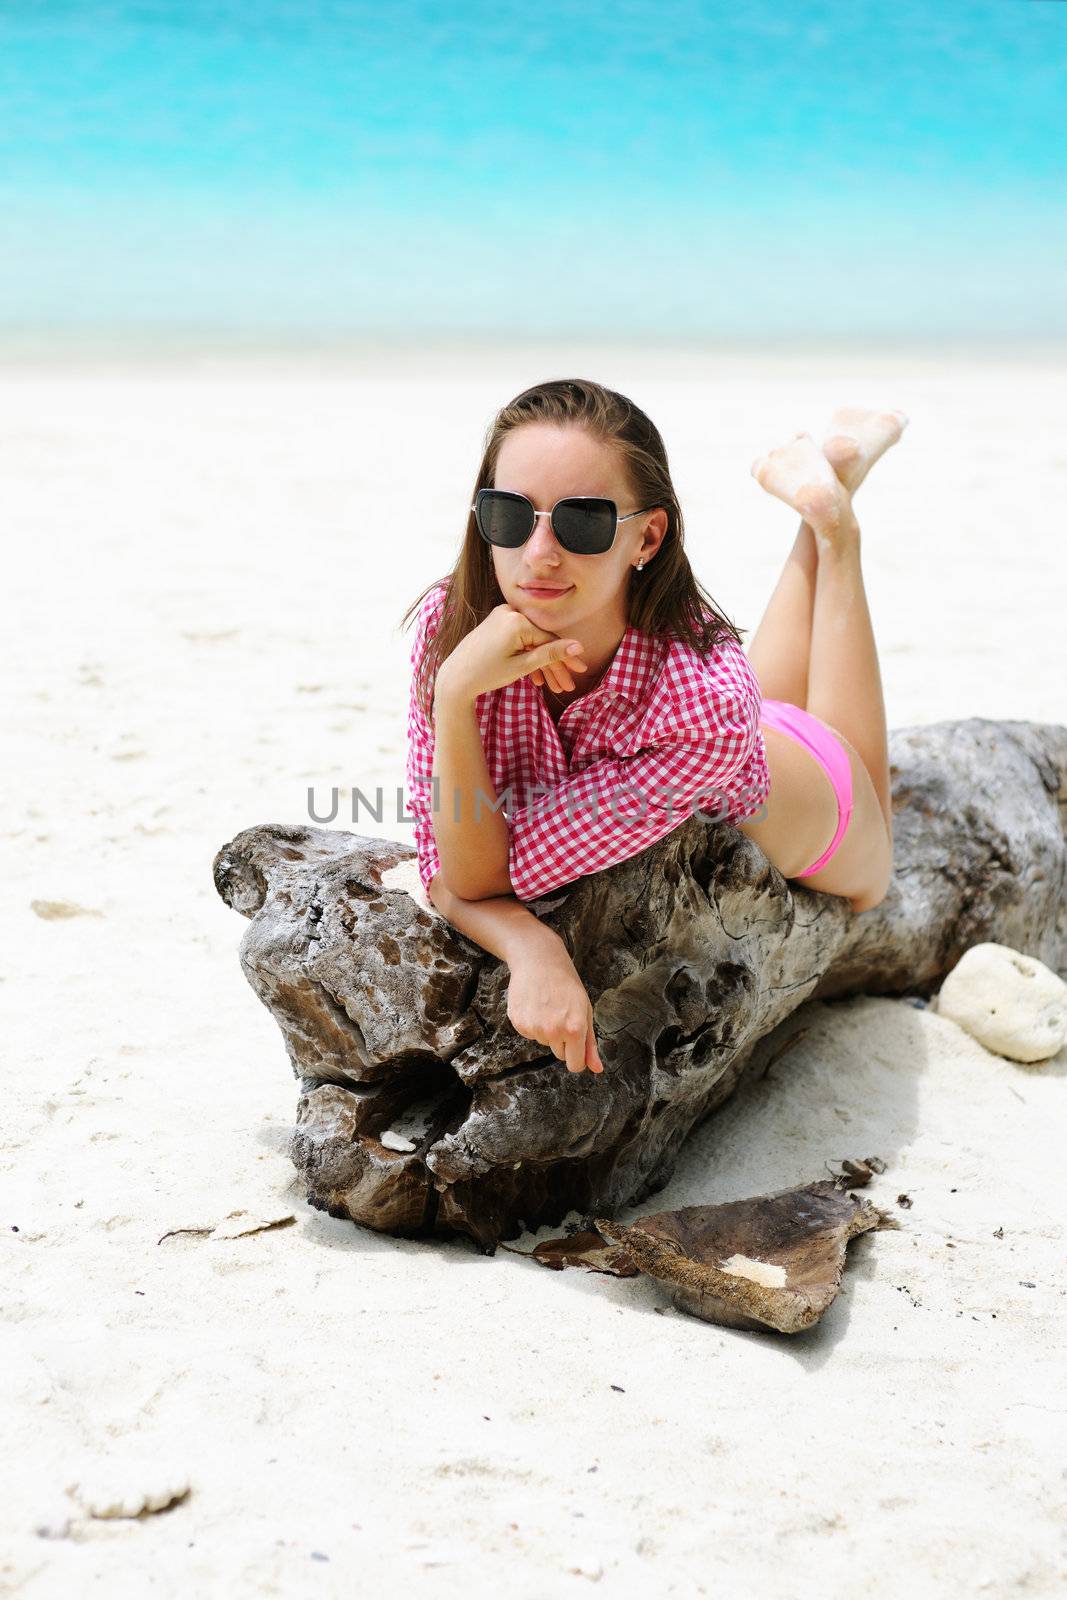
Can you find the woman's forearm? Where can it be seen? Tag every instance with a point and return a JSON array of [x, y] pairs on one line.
[[470, 829], [502, 924]]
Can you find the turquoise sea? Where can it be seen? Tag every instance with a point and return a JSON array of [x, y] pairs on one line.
[[722, 171]]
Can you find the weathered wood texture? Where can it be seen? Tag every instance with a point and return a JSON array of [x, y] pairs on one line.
[[772, 1261], [691, 952], [768, 1261]]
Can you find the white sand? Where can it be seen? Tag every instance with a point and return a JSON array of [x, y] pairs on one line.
[[201, 622]]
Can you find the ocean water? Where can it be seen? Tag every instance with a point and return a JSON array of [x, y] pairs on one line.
[[738, 171]]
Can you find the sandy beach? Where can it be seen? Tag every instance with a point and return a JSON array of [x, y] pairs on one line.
[[208, 559]]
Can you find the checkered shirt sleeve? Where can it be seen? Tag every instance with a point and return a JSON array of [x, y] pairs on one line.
[[420, 747]]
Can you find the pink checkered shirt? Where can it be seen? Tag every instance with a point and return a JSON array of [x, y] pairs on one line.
[[665, 733]]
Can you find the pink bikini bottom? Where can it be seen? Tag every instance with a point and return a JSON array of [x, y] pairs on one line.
[[828, 752]]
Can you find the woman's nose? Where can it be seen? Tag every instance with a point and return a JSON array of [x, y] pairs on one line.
[[542, 540]]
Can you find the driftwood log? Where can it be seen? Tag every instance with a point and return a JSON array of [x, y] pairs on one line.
[[422, 1111], [771, 1261]]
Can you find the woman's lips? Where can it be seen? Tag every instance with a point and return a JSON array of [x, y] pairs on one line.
[[546, 594]]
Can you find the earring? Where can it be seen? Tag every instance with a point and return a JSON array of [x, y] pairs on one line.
[[641, 563]]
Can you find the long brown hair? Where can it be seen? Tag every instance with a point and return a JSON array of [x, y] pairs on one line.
[[667, 600]]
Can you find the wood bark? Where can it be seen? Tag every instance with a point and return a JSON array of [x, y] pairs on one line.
[[769, 1261], [691, 952]]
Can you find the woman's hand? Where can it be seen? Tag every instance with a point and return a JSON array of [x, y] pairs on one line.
[[547, 1001], [506, 646], [556, 676]]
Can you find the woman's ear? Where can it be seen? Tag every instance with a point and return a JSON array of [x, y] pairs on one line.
[[655, 528]]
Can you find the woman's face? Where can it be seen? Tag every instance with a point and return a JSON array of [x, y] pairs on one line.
[[547, 463]]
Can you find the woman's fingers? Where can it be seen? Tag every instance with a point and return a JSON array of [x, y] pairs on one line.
[[569, 1047], [552, 656], [580, 1051], [552, 670], [555, 675]]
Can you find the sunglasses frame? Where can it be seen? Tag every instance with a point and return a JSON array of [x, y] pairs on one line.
[[570, 499]]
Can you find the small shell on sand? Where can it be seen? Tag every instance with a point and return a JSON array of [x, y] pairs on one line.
[[128, 1491], [58, 910]]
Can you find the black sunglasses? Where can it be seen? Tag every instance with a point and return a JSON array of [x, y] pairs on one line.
[[583, 524]]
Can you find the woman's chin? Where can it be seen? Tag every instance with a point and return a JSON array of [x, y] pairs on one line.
[[527, 601]]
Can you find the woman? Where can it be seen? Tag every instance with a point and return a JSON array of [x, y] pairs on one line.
[[572, 672]]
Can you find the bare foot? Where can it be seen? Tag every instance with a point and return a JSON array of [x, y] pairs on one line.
[[800, 474], [855, 440]]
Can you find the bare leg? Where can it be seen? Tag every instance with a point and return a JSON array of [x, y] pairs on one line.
[[844, 685], [780, 649], [844, 678]]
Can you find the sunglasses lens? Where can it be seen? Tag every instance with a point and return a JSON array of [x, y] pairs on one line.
[[585, 526], [503, 518]]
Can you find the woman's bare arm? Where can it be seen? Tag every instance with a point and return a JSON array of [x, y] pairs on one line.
[[501, 924], [473, 847], [547, 1000]]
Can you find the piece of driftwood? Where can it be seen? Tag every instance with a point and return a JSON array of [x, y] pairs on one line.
[[586, 1248], [691, 952], [773, 1261]]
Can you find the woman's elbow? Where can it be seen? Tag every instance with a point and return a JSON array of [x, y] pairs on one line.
[[477, 887]]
